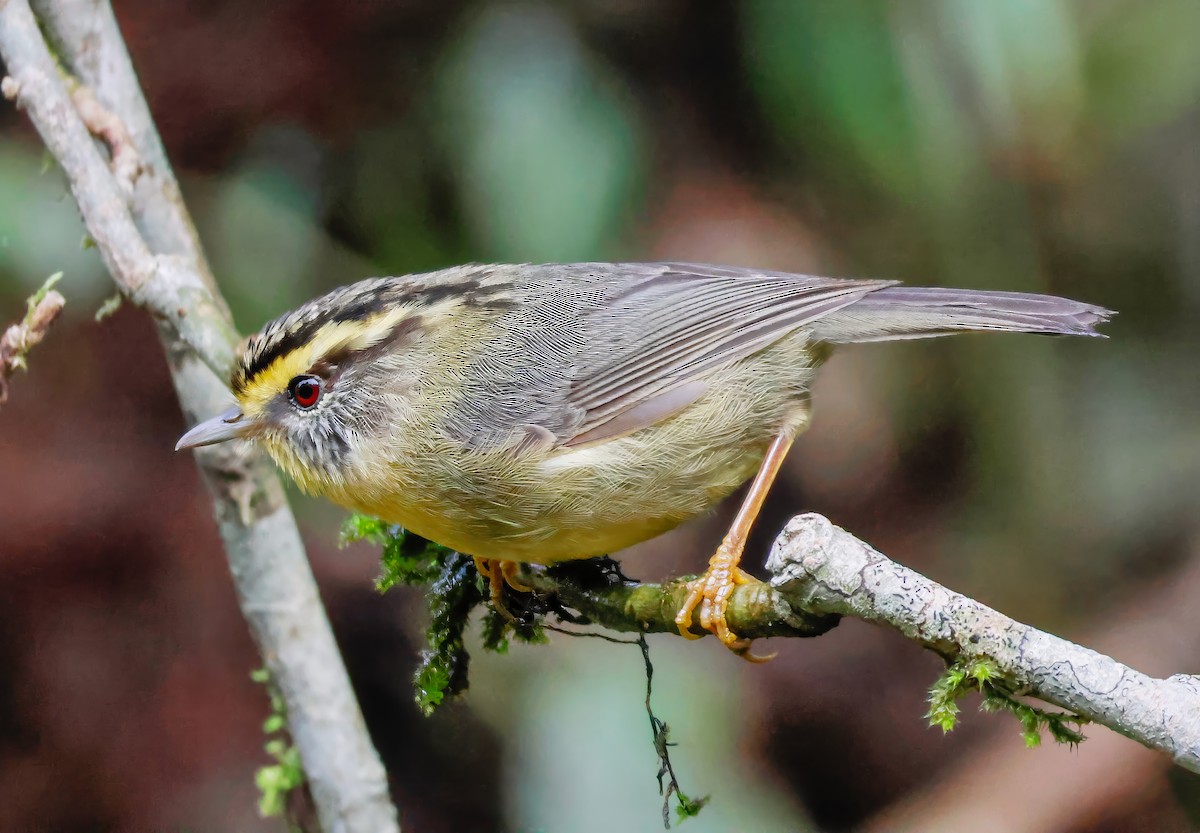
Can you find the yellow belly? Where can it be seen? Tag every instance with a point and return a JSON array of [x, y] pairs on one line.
[[538, 544], [577, 504]]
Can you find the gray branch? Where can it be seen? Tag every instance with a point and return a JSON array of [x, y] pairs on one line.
[[822, 569], [149, 244], [820, 572]]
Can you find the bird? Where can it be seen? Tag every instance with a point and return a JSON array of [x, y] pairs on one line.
[[534, 413]]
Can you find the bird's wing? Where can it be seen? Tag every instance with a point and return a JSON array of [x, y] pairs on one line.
[[676, 322], [606, 349]]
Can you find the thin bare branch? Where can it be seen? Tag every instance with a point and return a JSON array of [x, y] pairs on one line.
[[148, 243]]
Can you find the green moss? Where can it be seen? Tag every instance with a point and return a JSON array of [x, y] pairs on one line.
[[455, 589], [40, 295], [668, 784], [110, 306], [16, 360], [452, 595], [406, 558], [999, 694], [276, 781]]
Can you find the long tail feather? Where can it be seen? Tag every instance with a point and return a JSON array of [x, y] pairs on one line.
[[899, 312]]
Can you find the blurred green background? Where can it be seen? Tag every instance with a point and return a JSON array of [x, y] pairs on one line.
[[1034, 145]]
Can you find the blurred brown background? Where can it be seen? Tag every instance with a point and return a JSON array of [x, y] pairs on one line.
[[1037, 145]]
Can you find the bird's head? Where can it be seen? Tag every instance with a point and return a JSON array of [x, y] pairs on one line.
[[322, 384]]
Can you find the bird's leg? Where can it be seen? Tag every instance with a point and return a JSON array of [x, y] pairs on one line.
[[712, 590], [499, 573], [509, 570]]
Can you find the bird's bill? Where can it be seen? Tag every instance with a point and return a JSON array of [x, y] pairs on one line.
[[227, 426]]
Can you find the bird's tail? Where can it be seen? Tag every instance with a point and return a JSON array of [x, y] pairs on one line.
[[898, 312]]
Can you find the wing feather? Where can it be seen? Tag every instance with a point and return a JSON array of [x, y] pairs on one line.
[[687, 320], [596, 350]]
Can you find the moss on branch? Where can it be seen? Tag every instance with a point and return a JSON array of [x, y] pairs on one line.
[[586, 592], [599, 593]]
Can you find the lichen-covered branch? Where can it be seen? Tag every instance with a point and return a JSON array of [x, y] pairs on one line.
[[820, 572], [819, 567], [131, 206]]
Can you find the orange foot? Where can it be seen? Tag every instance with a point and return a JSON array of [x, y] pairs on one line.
[[499, 573], [711, 592]]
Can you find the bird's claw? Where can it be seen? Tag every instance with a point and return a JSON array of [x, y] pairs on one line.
[[710, 592]]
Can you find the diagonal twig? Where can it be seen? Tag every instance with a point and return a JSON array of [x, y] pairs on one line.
[[149, 245], [819, 573], [821, 568]]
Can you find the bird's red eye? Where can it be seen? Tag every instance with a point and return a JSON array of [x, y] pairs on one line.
[[305, 390]]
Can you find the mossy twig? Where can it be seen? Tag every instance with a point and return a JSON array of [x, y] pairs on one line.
[[998, 694], [42, 309], [279, 781]]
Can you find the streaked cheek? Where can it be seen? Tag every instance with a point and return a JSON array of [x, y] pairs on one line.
[[290, 457]]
